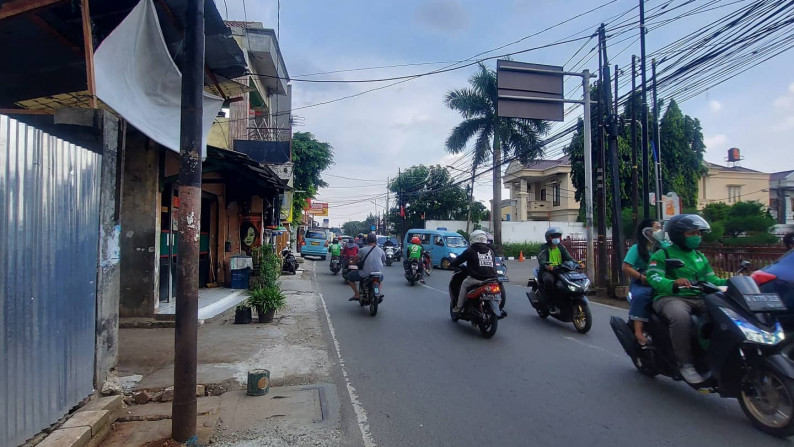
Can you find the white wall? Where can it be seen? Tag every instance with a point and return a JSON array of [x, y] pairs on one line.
[[530, 231]]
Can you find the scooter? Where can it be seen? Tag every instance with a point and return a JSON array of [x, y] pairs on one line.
[[369, 288], [739, 346], [412, 272], [389, 255], [336, 264], [481, 307], [290, 263], [568, 303]]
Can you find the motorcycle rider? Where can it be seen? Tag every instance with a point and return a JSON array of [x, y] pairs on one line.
[[480, 266], [673, 296], [552, 254], [415, 253], [335, 249], [649, 236], [373, 262]]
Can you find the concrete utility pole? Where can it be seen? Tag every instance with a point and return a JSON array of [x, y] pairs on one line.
[[604, 105], [646, 206], [588, 176], [657, 137], [617, 231], [183, 409], [386, 214], [634, 178]]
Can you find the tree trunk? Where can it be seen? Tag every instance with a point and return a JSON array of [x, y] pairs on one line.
[[496, 206]]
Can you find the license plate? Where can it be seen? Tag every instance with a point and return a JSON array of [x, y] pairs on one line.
[[353, 267], [377, 290], [315, 243], [764, 302], [489, 297], [504, 279]]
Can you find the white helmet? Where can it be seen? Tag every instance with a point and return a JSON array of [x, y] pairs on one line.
[[478, 236]]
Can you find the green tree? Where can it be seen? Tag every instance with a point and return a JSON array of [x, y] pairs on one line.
[[430, 191], [492, 135], [682, 154], [310, 158], [354, 227], [739, 224]]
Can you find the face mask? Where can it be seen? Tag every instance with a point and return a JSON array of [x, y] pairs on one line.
[[555, 241], [693, 242], [658, 235]]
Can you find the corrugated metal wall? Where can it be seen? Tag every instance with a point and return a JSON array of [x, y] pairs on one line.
[[49, 230]]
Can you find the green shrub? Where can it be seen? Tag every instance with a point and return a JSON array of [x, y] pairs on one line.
[[515, 248], [268, 297], [269, 266]]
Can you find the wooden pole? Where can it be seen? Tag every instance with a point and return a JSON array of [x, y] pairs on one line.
[[88, 46]]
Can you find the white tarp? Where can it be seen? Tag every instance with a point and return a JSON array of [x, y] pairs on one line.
[[136, 76]]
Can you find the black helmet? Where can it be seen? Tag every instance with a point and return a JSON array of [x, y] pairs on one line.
[[681, 223], [371, 238], [552, 232]]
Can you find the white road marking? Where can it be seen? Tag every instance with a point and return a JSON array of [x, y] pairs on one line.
[[611, 307], [575, 340], [361, 414], [433, 288]]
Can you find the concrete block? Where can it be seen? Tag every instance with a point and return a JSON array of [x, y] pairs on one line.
[[168, 394], [95, 420], [98, 438], [113, 404], [68, 437], [200, 390], [159, 411], [141, 397]]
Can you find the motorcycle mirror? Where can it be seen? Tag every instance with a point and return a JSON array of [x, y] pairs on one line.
[[674, 263], [744, 264]]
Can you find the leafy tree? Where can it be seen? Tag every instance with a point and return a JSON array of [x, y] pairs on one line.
[[310, 157], [354, 227], [430, 191], [682, 154], [743, 223], [492, 135], [715, 212]]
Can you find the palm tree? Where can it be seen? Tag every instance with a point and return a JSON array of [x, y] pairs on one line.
[[513, 136]]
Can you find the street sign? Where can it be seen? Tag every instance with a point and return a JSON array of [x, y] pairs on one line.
[[529, 90]]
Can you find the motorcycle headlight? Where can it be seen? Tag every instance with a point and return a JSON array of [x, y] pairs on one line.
[[754, 333], [453, 256], [586, 284], [572, 288]]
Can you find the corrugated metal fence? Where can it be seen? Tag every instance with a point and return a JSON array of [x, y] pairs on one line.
[[49, 230]]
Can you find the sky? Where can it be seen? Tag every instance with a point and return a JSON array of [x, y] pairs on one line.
[[376, 133]]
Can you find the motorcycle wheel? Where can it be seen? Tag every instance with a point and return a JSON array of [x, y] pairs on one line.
[[488, 330], [771, 406], [504, 299], [373, 303], [412, 281], [582, 317], [542, 313], [645, 368], [445, 264]]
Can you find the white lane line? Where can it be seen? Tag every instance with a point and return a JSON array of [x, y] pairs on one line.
[[433, 288], [592, 346], [361, 414]]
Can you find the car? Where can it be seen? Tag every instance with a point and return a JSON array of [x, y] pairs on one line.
[[778, 278], [315, 243]]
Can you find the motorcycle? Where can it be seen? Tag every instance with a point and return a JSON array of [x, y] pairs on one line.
[[568, 303], [501, 269], [290, 264], [412, 273], [369, 288], [428, 262], [389, 255], [481, 307], [739, 346], [336, 264]]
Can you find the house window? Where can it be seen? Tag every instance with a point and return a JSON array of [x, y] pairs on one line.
[[543, 194], [557, 191], [734, 193]]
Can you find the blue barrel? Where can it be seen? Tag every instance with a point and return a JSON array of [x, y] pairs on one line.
[[240, 278]]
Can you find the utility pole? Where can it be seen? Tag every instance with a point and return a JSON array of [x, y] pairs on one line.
[[386, 214], [657, 138], [400, 199], [183, 409], [646, 206], [617, 236], [588, 176], [634, 179], [604, 105]]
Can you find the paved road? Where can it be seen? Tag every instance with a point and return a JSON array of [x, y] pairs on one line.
[[423, 380]]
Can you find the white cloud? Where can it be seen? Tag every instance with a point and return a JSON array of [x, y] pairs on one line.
[[786, 124], [715, 105], [448, 16], [716, 141]]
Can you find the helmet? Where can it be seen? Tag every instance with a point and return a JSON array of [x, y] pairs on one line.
[[681, 223], [416, 240], [478, 236], [553, 232], [335, 240], [371, 238]]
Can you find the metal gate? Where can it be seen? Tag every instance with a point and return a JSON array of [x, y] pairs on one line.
[[49, 233]]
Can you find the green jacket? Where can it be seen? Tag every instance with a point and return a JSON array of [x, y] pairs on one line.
[[414, 251], [696, 268], [543, 255], [335, 249]]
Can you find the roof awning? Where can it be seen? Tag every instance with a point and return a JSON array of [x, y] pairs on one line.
[[239, 167]]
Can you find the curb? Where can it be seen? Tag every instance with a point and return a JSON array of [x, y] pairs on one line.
[[87, 427]]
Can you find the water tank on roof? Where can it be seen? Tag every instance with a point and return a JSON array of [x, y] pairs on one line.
[[733, 154]]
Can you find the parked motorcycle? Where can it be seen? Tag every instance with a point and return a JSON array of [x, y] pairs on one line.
[[290, 264], [568, 302], [739, 346], [412, 273], [481, 307], [336, 264], [389, 255], [369, 291]]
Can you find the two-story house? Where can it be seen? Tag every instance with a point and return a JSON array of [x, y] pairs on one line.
[[542, 190], [731, 184], [781, 196]]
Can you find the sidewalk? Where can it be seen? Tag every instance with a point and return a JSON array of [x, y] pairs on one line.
[[301, 405]]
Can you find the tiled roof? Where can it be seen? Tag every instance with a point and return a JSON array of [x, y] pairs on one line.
[[546, 164], [776, 176]]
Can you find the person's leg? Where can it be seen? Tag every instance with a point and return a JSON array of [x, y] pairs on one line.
[[678, 311], [422, 272], [638, 309], [352, 278], [464, 289]]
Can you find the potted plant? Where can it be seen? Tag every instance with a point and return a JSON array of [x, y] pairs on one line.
[[243, 314], [267, 300]]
